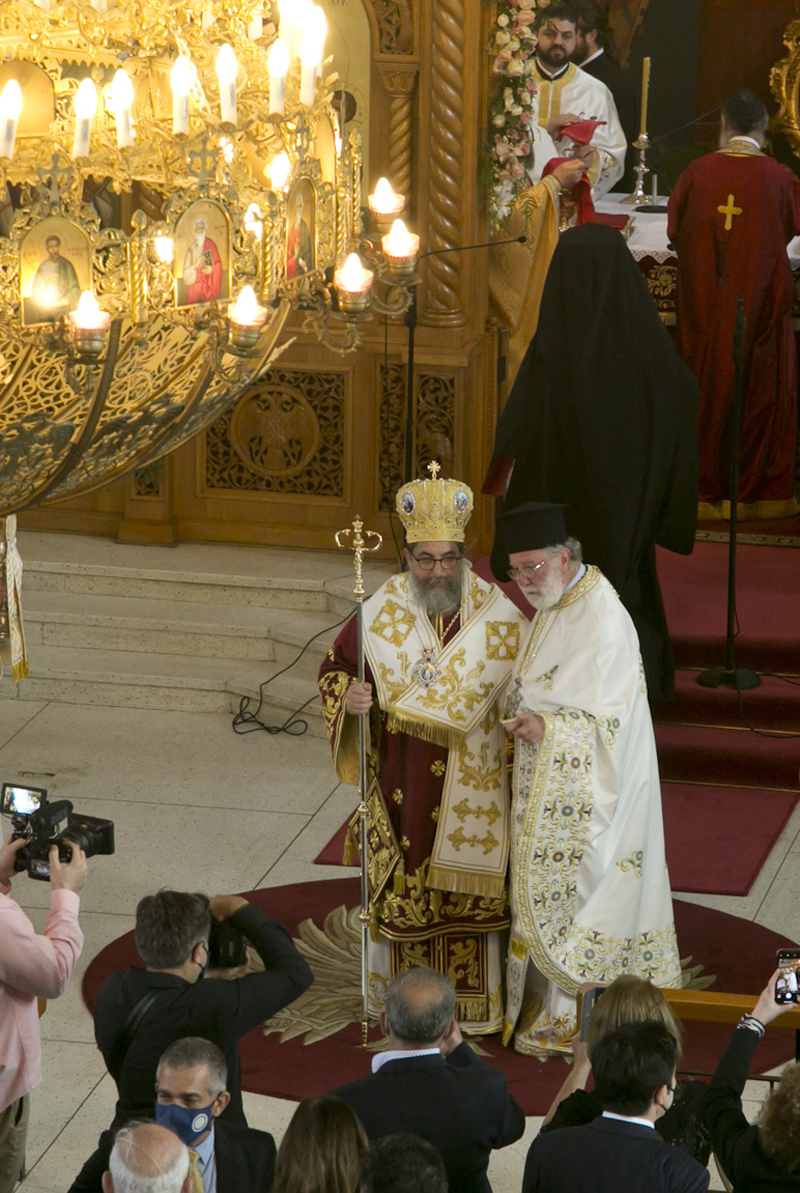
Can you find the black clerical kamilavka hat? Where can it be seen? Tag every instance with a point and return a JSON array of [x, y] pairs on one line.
[[532, 526]]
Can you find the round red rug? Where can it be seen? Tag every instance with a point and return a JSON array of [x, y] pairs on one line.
[[309, 1052]]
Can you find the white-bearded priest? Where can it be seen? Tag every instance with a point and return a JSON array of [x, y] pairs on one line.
[[439, 645], [590, 895]]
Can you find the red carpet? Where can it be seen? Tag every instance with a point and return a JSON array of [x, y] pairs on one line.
[[738, 952]]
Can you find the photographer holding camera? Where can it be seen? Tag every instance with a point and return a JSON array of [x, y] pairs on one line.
[[140, 1012], [31, 967]]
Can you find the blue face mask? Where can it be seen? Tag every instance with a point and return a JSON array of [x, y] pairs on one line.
[[187, 1124]]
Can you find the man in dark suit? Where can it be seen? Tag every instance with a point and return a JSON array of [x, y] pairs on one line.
[[634, 1074], [430, 1083], [190, 1096], [592, 43]]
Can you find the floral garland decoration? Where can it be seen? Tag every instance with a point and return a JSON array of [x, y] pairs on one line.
[[514, 107]]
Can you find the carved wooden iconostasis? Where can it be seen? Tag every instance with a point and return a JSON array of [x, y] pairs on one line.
[[320, 438]]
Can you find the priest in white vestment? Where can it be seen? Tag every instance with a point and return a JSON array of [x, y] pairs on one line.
[[590, 895], [568, 94]]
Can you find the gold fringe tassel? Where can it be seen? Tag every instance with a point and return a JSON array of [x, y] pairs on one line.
[[489, 886], [19, 670], [399, 879], [471, 1010], [440, 735]]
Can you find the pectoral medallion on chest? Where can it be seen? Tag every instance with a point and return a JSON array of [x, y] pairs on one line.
[[427, 671]]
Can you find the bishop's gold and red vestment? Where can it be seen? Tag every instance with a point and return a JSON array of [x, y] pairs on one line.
[[590, 893], [731, 216], [438, 801]]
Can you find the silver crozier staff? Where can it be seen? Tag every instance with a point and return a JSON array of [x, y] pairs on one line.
[[353, 540]]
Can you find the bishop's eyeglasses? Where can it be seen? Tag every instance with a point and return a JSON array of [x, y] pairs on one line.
[[428, 562]]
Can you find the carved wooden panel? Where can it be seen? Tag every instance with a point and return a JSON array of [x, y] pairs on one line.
[[286, 435], [395, 26], [436, 413], [392, 433]]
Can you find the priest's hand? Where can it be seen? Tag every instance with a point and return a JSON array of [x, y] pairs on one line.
[[358, 699], [569, 173], [528, 727], [556, 123]]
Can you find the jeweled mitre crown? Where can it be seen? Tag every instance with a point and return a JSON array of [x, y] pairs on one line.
[[435, 510]]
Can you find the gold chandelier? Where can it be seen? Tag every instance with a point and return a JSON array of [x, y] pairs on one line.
[[218, 139]]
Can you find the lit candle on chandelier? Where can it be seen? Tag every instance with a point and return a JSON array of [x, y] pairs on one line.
[[10, 108], [255, 26], [278, 63], [88, 325], [401, 248], [279, 171], [353, 283], [226, 68], [384, 202], [85, 108], [245, 320], [181, 79], [122, 99]]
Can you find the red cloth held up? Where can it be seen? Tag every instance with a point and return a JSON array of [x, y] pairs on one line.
[[581, 192]]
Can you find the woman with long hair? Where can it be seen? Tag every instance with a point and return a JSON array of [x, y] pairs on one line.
[[321, 1148]]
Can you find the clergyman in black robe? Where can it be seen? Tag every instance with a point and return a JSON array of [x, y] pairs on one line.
[[603, 417]]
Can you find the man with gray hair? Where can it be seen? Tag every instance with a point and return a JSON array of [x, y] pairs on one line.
[[430, 1083], [590, 891], [147, 1159]]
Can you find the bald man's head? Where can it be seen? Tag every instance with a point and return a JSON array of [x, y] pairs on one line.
[[419, 1006], [147, 1158]]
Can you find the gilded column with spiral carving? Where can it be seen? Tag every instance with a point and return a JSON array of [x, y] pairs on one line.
[[443, 302], [400, 87]]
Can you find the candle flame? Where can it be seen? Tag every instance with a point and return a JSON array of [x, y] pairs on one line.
[[246, 309], [279, 170], [182, 76], [11, 101], [121, 90], [88, 314], [278, 58], [399, 242], [165, 249], [86, 100], [353, 275], [226, 65]]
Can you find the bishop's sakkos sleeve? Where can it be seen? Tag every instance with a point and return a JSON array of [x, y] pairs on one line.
[[338, 671]]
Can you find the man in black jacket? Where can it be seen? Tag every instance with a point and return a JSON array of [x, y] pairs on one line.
[[592, 38], [430, 1083], [634, 1074], [762, 1157], [140, 1012]]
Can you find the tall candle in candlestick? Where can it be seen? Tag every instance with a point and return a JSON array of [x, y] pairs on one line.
[[309, 60], [85, 108], [122, 99], [645, 90], [181, 79], [226, 73], [10, 108], [278, 62]]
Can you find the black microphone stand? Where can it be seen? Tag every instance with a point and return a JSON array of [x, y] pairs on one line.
[[741, 679], [410, 320]]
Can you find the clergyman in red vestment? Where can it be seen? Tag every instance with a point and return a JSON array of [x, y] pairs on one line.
[[732, 214]]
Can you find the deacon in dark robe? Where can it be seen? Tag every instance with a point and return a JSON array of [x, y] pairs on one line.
[[731, 215], [602, 417], [593, 54]]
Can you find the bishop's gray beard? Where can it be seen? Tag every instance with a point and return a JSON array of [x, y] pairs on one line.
[[546, 594], [439, 594]]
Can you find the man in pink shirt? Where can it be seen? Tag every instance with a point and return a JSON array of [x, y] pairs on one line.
[[31, 967]]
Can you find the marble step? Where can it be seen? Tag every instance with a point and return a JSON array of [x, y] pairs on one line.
[[206, 574], [127, 679], [83, 621]]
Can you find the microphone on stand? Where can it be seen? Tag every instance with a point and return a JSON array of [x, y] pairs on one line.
[[741, 679]]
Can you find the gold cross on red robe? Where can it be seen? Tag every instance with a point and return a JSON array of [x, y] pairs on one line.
[[729, 212]]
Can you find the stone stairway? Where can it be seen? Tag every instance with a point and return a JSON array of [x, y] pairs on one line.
[[193, 628]]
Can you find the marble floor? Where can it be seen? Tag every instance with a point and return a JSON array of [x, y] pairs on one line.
[[195, 805]]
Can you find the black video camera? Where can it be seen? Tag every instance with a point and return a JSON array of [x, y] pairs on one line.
[[44, 825]]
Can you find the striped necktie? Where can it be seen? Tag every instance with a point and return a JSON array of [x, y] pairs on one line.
[[194, 1172]]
